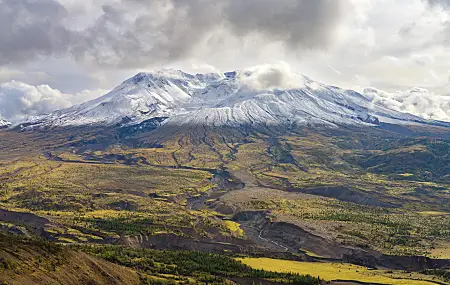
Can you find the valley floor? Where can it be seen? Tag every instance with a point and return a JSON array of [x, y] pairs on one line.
[[313, 202]]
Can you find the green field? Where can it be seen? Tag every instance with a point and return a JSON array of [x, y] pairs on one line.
[[338, 271]]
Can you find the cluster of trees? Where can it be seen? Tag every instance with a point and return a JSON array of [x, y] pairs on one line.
[[119, 225], [442, 273], [21, 253], [204, 267]]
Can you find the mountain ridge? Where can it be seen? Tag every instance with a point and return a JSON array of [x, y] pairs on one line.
[[258, 95], [4, 124]]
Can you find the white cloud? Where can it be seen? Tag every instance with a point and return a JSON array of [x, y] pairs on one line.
[[271, 76], [19, 100], [417, 101]]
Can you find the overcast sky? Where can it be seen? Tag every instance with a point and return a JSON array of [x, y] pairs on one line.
[[55, 53]]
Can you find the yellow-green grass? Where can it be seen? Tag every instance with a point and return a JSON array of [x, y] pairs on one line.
[[234, 227], [434, 213], [276, 175], [441, 251], [357, 224], [65, 240], [312, 254], [335, 271], [54, 175]]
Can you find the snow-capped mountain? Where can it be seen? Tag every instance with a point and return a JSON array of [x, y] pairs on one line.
[[252, 96], [4, 124]]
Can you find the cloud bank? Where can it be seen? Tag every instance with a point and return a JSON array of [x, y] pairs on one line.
[[417, 101], [19, 100], [135, 33]]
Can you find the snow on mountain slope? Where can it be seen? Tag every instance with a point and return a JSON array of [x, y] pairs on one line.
[[261, 95], [4, 124], [143, 96]]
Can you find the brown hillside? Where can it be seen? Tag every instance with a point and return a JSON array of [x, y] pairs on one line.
[[34, 262]]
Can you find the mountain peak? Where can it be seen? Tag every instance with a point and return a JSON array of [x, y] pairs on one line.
[[165, 72], [260, 95]]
